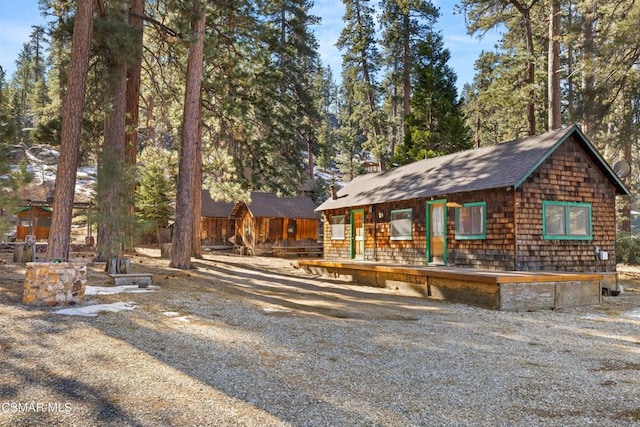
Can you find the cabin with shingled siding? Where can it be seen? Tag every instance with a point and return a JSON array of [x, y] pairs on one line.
[[545, 202]]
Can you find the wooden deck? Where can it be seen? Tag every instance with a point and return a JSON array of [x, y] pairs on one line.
[[496, 290]]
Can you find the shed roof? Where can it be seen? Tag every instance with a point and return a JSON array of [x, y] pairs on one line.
[[268, 205], [40, 194], [503, 165], [214, 208], [26, 208]]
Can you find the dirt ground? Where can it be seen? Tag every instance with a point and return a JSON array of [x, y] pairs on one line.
[[202, 276], [255, 341]]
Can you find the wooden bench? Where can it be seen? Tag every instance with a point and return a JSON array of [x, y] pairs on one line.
[[143, 280], [242, 250]]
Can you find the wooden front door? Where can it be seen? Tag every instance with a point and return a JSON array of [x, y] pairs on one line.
[[357, 234], [437, 232]]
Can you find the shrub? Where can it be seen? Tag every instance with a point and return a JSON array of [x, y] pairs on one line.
[[628, 249]]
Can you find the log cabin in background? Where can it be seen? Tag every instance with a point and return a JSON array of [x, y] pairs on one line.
[[545, 202], [217, 226], [275, 225], [266, 225]]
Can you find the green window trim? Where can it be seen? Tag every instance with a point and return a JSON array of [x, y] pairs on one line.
[[402, 229], [337, 224], [567, 220], [472, 234]]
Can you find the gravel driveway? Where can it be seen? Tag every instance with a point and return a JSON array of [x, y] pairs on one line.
[[242, 341]]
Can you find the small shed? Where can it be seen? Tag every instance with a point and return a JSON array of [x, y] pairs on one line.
[[217, 226], [545, 202], [269, 221], [33, 220], [36, 210]]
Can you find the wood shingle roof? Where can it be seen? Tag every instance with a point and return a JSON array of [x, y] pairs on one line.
[[215, 208], [268, 205]]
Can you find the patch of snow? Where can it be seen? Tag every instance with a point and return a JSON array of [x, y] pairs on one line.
[[176, 316], [634, 314], [328, 176], [596, 317], [87, 172], [95, 309], [112, 290]]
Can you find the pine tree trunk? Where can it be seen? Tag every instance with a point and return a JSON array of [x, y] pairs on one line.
[[406, 69], [396, 122], [555, 117], [113, 208], [111, 191], [183, 228], [588, 79], [133, 102], [571, 104], [627, 135], [530, 73], [60, 235], [310, 160], [196, 244]]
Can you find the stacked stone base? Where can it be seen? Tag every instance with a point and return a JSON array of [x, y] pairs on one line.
[[54, 284]]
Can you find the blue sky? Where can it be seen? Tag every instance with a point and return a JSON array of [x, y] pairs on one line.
[[17, 17]]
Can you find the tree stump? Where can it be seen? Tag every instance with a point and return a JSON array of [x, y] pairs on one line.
[[18, 253], [25, 252], [165, 250], [118, 265]]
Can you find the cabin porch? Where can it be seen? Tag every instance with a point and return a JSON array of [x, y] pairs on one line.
[[492, 289]]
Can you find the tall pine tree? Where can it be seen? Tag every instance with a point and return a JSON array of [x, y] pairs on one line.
[[436, 124], [361, 90]]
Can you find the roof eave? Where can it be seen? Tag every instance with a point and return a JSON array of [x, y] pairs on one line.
[[620, 186]]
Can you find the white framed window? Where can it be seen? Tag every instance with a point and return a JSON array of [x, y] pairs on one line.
[[337, 223], [401, 223]]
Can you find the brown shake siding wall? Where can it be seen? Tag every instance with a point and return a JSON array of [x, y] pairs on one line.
[[412, 251], [336, 249], [495, 252], [567, 176], [378, 246]]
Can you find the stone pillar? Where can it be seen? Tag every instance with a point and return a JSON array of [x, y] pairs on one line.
[[49, 284]]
